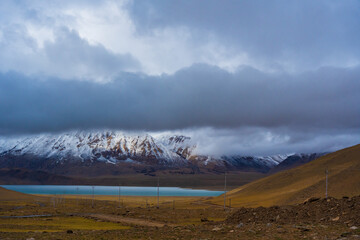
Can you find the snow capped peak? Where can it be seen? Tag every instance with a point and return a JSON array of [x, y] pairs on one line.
[[126, 147], [275, 159], [88, 145]]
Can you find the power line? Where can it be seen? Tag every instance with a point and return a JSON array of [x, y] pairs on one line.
[[92, 202], [225, 192], [326, 182], [158, 184], [119, 194]]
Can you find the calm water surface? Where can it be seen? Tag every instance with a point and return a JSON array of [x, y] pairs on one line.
[[111, 190]]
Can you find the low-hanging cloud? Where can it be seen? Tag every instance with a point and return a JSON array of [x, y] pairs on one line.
[[261, 141], [198, 96]]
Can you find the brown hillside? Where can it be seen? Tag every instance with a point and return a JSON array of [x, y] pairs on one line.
[[9, 195], [298, 184]]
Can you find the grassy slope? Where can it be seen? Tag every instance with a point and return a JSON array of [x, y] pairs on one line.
[[9, 195], [296, 185]]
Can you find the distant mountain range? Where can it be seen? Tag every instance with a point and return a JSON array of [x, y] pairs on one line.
[[111, 152]]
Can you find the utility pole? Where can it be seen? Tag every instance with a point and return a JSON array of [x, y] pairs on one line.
[[225, 192], [326, 182], [119, 194], [78, 196], [92, 202], [158, 185]]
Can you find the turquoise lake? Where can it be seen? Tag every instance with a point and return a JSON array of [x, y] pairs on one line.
[[111, 190]]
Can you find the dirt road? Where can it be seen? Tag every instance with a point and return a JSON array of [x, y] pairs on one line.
[[127, 220]]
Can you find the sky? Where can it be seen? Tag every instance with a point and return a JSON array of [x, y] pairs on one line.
[[239, 77]]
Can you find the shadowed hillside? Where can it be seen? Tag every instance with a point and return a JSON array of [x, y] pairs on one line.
[[298, 184]]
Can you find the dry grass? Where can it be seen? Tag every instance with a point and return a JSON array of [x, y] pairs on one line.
[[186, 221], [78, 215], [137, 201], [296, 185], [9, 195], [55, 224]]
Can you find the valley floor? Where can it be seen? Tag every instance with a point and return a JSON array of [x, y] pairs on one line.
[[189, 218]]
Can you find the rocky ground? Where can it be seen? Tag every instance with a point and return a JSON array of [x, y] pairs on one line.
[[312, 211], [314, 219]]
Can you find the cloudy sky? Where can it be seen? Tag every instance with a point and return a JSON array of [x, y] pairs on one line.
[[246, 77]]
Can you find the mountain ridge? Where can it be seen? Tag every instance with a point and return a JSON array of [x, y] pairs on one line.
[[125, 149]]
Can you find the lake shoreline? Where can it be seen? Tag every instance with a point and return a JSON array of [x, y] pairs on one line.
[[207, 181], [115, 191]]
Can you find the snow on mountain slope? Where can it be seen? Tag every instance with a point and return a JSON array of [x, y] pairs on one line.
[[106, 146], [267, 162], [248, 163], [179, 144], [117, 146]]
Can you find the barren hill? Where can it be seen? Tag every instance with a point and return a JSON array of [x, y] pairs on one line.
[[298, 184], [9, 195]]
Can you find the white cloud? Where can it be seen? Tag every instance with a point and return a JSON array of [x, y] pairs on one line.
[[40, 34], [165, 37], [161, 50]]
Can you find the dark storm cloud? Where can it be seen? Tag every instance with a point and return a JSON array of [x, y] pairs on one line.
[[197, 96], [280, 34]]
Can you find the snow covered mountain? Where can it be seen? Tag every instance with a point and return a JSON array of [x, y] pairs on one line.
[[116, 147], [108, 146]]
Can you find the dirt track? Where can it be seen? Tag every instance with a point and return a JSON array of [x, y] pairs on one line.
[[127, 220]]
